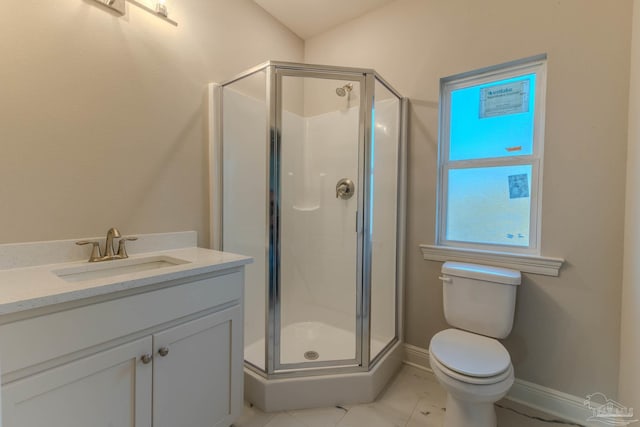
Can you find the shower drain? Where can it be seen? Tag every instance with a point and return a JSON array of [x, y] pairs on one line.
[[311, 355]]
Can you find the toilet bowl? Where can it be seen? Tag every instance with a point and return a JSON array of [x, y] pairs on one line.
[[468, 361], [474, 378]]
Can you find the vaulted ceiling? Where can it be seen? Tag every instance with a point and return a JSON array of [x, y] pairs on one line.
[[308, 18]]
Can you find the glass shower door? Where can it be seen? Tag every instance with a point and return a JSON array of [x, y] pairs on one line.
[[320, 123]]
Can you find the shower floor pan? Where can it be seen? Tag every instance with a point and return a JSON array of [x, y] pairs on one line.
[[329, 342]]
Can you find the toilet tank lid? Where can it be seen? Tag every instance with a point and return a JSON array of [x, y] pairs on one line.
[[482, 272]]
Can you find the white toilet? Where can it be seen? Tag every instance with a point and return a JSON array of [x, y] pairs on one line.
[[469, 363]]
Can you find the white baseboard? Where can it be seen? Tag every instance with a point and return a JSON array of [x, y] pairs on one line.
[[417, 357], [553, 402]]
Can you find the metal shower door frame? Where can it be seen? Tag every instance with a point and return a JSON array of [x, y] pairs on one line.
[[275, 75], [366, 362]]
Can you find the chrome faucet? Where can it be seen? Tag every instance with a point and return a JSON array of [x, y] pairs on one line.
[[109, 253]]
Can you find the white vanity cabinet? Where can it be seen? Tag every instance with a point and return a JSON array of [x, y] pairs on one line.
[[192, 382], [164, 355], [110, 388]]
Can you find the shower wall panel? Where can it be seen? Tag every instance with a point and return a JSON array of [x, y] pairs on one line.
[[312, 292], [245, 202], [317, 285]]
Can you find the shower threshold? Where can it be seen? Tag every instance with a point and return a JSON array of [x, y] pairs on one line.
[[284, 394]]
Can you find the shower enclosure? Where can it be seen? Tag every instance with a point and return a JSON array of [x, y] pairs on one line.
[[309, 181]]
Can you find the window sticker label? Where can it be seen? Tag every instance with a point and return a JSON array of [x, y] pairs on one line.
[[503, 99], [518, 186]]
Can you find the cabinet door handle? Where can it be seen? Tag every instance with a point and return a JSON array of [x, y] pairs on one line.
[[146, 358], [163, 351]]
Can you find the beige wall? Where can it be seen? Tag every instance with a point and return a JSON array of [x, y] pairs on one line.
[[566, 334], [630, 333], [103, 122], [103, 118]]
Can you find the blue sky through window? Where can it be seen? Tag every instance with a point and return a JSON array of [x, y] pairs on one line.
[[490, 205], [473, 137]]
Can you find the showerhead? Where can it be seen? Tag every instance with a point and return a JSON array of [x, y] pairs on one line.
[[342, 91]]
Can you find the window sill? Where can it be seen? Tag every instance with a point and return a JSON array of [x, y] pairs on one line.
[[523, 262]]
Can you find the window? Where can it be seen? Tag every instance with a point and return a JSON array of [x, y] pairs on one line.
[[490, 157]]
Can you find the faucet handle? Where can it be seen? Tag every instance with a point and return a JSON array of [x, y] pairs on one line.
[[122, 249], [95, 250]]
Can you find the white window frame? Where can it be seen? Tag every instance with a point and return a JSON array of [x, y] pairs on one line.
[[508, 70]]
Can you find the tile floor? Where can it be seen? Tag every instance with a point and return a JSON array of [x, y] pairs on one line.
[[412, 399]]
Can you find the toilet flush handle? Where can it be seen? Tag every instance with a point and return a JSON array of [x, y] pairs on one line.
[[445, 279]]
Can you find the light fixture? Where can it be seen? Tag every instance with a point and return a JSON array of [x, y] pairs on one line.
[[161, 8], [117, 5], [156, 7]]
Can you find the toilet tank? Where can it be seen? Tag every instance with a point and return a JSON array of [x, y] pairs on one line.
[[480, 298]]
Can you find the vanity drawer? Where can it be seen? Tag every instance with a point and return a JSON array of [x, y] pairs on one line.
[[36, 340]]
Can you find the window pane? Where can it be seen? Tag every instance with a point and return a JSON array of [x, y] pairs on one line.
[[490, 205], [493, 119]]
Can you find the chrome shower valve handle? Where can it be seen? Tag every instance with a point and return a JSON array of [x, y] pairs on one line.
[[345, 188]]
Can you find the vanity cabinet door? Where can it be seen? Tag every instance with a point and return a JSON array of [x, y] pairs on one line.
[[109, 389], [197, 371]]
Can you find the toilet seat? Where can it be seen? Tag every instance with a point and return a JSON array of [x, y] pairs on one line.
[[468, 379], [471, 358]]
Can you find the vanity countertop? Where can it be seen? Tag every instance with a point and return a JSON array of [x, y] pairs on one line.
[[39, 286]]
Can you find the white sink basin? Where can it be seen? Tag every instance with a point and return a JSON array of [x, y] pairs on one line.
[[104, 269]]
